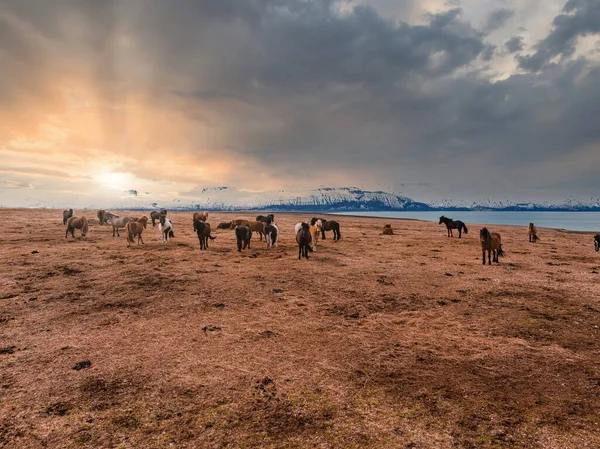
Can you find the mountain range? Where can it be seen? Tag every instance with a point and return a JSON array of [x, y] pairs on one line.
[[330, 199]]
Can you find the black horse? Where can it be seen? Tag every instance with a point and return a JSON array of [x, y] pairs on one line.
[[597, 242], [268, 219], [328, 225], [453, 224]]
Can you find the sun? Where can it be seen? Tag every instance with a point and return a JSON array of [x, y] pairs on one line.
[[114, 180]]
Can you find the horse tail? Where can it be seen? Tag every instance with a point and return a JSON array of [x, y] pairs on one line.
[[465, 228], [500, 252]]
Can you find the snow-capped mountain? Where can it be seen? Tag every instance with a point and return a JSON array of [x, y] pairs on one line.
[[333, 200]]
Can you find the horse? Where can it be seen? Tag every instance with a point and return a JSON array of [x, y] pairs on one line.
[[243, 235], [257, 226], [200, 216], [597, 242], [387, 230], [77, 223], [238, 222], [532, 230], [102, 217], [303, 238], [315, 229], [66, 215], [136, 228], [203, 230], [271, 234], [328, 225], [166, 228], [224, 225], [268, 219], [155, 215], [453, 224], [117, 222], [492, 243]]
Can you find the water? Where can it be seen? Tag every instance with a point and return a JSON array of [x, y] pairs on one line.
[[572, 221]]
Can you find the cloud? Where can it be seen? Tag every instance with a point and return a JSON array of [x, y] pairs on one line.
[[579, 18], [497, 18], [514, 44], [269, 93]]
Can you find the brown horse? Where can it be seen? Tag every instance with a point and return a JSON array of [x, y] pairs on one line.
[[66, 215], [492, 243], [328, 225], [135, 228], [155, 215], [304, 239], [200, 216], [77, 223], [597, 242], [532, 230], [387, 230], [102, 217], [203, 230]]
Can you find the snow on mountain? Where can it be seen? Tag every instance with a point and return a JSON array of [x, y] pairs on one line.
[[325, 199], [335, 199]]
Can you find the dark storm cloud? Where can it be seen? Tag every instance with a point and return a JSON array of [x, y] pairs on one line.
[[514, 44], [301, 87], [579, 18], [497, 19]]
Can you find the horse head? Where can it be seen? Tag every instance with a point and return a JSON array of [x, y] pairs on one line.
[[442, 218], [484, 234]]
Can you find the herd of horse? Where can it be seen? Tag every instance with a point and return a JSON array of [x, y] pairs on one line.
[[307, 233]]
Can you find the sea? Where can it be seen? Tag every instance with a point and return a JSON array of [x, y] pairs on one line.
[[571, 221]]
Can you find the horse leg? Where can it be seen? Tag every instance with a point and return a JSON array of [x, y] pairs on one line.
[[323, 233], [489, 256], [459, 232], [299, 252]]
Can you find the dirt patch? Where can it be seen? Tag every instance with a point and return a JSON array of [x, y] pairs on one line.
[[412, 343]]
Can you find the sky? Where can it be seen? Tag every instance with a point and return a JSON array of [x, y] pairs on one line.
[[470, 98]]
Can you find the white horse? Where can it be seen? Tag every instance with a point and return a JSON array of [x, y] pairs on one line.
[[117, 222], [166, 228]]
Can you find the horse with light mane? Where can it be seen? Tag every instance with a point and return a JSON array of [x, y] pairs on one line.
[[117, 222], [271, 234], [328, 225], [453, 224], [77, 223], [200, 216], [166, 228], [532, 231], [66, 215], [492, 243], [155, 215], [303, 238], [135, 228]]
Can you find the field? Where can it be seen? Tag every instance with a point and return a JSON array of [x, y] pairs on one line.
[[374, 342]]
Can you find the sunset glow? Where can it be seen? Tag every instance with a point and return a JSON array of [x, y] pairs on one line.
[[110, 98]]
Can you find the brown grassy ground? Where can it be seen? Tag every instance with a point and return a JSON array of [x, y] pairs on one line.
[[376, 341]]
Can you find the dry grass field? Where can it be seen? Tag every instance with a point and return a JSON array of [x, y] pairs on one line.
[[376, 341]]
